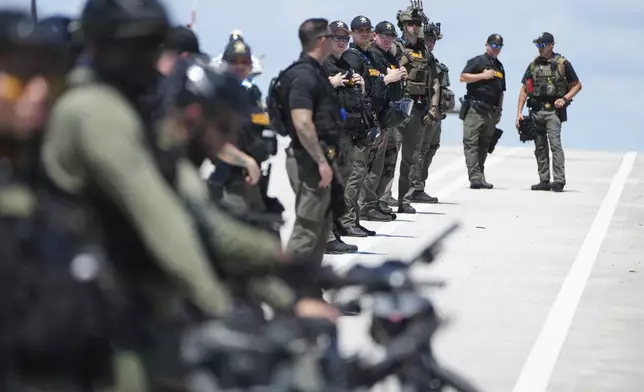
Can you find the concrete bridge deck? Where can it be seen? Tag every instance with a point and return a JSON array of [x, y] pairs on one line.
[[545, 290]]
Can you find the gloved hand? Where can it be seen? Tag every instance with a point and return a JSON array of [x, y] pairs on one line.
[[432, 116]]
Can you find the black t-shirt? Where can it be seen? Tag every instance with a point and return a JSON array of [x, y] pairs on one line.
[[571, 75], [488, 91], [307, 87]]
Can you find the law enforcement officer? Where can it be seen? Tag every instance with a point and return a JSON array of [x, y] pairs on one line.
[[383, 164], [350, 90], [256, 141], [150, 207], [39, 248], [314, 120], [481, 111], [445, 96], [420, 85], [361, 120], [181, 49], [549, 84]]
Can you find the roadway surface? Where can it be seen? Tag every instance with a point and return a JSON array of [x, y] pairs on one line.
[[545, 290]]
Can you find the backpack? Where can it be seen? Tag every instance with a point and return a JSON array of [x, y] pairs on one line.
[[275, 104]]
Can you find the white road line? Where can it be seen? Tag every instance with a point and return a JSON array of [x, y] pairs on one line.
[[390, 227], [536, 373]]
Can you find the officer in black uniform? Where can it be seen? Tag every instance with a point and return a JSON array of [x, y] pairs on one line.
[[314, 119], [55, 338], [390, 88], [482, 107], [349, 87], [255, 140], [367, 129]]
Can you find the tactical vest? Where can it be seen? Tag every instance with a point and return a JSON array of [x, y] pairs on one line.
[[548, 80], [349, 96], [327, 114], [61, 319], [255, 139], [416, 62], [374, 85]]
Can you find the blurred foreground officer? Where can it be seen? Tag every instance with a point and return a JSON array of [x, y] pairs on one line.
[[181, 50], [101, 148], [549, 84], [349, 87], [314, 119], [482, 107], [54, 328]]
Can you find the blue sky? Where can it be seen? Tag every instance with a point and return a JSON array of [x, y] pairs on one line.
[[600, 39]]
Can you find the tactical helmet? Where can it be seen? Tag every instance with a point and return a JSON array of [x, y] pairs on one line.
[[107, 20], [215, 92], [16, 28], [409, 14]]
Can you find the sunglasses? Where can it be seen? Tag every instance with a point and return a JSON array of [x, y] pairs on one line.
[[541, 45], [341, 38], [494, 45]]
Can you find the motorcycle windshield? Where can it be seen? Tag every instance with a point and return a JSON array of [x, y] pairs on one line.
[[404, 106]]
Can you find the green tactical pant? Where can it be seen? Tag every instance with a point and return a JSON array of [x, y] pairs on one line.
[[381, 170], [478, 131], [345, 164], [549, 120], [386, 196], [241, 196], [412, 135], [353, 183], [313, 216], [429, 146]]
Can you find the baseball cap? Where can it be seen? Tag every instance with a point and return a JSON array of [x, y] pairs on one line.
[[385, 28], [495, 38], [338, 25], [544, 38], [181, 39], [361, 22]]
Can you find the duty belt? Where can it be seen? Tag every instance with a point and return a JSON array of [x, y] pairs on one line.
[[483, 105], [547, 106]]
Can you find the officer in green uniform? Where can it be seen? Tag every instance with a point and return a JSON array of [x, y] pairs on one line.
[[382, 164], [53, 329], [102, 146], [549, 84], [482, 106], [416, 135], [431, 145]]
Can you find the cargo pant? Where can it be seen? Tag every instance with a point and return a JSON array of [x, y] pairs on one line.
[[353, 183], [313, 216], [241, 196], [381, 169], [550, 140], [412, 135], [478, 131], [345, 164], [430, 144]]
